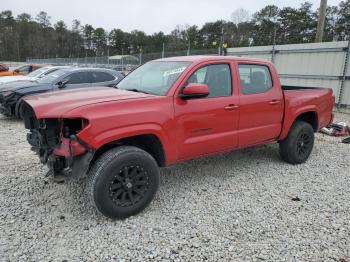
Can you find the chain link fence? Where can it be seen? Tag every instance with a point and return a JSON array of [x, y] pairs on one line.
[[118, 62]]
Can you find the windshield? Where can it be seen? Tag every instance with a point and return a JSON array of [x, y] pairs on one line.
[[53, 77], [154, 77], [37, 72]]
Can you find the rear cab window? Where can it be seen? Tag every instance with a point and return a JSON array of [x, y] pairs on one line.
[[255, 79]]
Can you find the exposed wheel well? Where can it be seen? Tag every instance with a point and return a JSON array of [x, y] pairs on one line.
[[311, 118], [150, 143]]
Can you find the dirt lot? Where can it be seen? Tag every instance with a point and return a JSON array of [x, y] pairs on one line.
[[245, 205]]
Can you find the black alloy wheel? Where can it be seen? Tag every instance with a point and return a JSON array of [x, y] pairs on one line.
[[129, 186]]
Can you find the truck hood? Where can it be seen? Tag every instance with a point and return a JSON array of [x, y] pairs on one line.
[[56, 104]]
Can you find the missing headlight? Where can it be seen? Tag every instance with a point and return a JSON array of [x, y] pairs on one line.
[[73, 126]]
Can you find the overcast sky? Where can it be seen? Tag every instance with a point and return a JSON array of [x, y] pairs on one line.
[[146, 15]]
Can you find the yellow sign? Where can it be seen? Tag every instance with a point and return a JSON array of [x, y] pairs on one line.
[[224, 45]]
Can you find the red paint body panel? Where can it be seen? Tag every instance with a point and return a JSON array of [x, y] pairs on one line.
[[297, 102], [56, 104], [192, 128]]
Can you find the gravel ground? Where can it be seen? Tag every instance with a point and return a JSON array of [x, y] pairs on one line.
[[245, 205]]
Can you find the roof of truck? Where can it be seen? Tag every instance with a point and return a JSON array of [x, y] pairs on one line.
[[209, 58]]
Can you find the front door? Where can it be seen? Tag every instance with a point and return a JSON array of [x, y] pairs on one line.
[[208, 125]]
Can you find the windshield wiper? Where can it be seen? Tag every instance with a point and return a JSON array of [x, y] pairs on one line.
[[136, 90]]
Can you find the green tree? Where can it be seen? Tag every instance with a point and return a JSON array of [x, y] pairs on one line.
[[343, 23], [266, 25], [100, 41], [43, 19], [331, 23]]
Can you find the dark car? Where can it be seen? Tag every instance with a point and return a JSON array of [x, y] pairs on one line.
[[11, 94]]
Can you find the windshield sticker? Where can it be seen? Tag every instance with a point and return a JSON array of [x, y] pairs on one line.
[[174, 71]]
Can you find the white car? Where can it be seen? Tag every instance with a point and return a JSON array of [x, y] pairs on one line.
[[39, 73]]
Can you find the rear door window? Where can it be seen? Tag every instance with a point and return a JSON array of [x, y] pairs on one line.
[[255, 79], [79, 78], [98, 77]]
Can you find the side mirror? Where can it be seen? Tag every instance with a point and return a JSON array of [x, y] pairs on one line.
[[194, 90], [62, 84]]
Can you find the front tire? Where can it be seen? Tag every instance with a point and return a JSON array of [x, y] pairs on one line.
[[297, 146], [123, 181]]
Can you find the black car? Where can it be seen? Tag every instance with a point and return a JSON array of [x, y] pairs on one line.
[[11, 94]]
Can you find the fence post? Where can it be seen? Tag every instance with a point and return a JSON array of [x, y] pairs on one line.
[[345, 69], [122, 63], [274, 45], [189, 48]]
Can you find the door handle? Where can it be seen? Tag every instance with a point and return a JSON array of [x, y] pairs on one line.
[[274, 102], [231, 107]]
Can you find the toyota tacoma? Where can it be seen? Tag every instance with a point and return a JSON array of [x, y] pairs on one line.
[[167, 111]]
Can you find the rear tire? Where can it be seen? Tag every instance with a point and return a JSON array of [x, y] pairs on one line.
[[123, 181], [297, 146]]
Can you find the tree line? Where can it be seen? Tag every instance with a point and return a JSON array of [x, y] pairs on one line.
[[24, 36]]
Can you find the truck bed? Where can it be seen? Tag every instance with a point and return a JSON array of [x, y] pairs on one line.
[[312, 99]]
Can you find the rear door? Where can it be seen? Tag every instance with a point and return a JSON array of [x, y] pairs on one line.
[[261, 104], [208, 125]]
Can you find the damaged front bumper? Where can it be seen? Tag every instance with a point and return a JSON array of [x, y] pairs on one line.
[[68, 158], [57, 145]]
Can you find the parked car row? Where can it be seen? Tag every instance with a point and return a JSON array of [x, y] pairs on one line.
[[51, 78], [22, 70], [34, 75]]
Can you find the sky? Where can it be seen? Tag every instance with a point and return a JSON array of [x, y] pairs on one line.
[[149, 16]]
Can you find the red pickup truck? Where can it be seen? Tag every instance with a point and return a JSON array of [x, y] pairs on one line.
[[167, 111]]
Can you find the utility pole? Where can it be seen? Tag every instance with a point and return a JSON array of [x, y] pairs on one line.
[[321, 21]]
